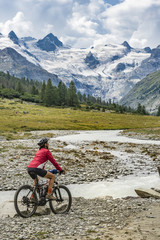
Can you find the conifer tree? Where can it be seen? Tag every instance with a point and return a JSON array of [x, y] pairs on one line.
[[143, 111], [34, 90], [62, 94], [139, 108], [8, 76], [72, 95], [55, 96], [42, 93], [48, 99], [84, 97], [80, 96], [158, 113], [20, 88]]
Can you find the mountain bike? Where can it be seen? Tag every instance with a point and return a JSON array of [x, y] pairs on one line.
[[27, 198]]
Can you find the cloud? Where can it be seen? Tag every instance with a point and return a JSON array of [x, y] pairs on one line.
[[135, 21], [147, 32], [17, 24], [64, 1], [99, 22], [85, 22], [82, 23]]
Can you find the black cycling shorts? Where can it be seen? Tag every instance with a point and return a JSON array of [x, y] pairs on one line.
[[33, 172]]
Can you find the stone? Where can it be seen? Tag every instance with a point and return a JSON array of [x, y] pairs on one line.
[[146, 193], [87, 217]]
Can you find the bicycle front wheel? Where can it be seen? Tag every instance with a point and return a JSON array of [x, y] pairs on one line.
[[63, 201], [25, 201]]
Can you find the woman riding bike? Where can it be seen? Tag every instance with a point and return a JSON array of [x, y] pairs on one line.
[[37, 166]]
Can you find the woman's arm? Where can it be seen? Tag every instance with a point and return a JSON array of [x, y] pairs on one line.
[[53, 161]]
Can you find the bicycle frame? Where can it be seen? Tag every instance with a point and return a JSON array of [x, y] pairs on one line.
[[42, 197], [27, 198]]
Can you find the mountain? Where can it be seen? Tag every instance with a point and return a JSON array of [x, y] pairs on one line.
[[13, 37], [49, 43], [91, 61], [108, 71], [146, 92], [128, 47], [14, 63]]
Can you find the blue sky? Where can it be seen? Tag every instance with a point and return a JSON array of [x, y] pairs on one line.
[[83, 23]]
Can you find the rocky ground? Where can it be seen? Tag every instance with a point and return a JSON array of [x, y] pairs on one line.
[[129, 218]]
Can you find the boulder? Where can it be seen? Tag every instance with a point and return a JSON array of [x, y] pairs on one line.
[[146, 193]]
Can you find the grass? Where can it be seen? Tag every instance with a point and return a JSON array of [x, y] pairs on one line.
[[150, 133], [18, 117]]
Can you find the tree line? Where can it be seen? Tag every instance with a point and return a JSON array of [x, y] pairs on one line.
[[47, 94]]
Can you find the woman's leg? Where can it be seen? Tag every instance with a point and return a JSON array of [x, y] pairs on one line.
[[35, 182], [51, 181]]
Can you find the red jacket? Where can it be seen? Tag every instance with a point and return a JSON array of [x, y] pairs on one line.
[[41, 158]]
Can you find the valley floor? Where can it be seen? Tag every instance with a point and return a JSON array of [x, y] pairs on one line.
[[129, 218]]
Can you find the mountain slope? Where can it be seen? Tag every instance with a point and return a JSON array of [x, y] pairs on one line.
[[19, 66], [107, 71], [13, 37], [146, 92], [49, 43], [100, 74]]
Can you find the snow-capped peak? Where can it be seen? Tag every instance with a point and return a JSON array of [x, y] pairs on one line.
[[108, 71]]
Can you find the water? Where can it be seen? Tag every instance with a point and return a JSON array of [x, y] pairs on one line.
[[104, 135], [119, 188], [6, 195]]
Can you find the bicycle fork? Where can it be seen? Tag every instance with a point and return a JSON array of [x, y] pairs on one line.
[[58, 194]]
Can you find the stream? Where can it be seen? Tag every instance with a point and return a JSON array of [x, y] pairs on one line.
[[116, 188]]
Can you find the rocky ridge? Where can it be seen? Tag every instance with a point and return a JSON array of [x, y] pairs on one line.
[[107, 71], [14, 63], [146, 92]]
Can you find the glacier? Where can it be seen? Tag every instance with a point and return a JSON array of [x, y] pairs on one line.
[[119, 66]]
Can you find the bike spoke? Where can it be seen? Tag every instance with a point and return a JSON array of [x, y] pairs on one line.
[[63, 200], [23, 201]]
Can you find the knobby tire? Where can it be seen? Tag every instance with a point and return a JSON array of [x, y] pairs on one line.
[[63, 201], [25, 207]]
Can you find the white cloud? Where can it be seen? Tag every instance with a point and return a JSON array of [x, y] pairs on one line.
[[85, 23], [82, 23], [17, 24], [130, 20], [48, 28], [64, 1], [135, 21]]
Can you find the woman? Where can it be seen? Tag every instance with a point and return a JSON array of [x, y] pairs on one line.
[[37, 166]]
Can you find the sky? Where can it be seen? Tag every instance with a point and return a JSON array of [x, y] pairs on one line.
[[84, 23]]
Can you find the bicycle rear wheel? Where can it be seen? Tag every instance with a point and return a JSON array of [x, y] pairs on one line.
[[63, 201], [25, 201]]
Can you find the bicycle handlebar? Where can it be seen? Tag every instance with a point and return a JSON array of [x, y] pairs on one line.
[[55, 171]]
